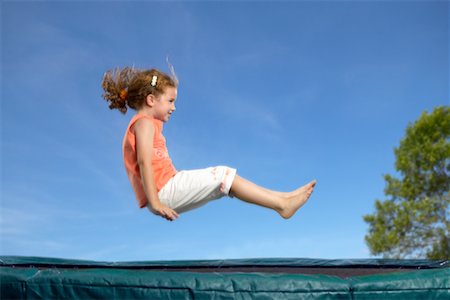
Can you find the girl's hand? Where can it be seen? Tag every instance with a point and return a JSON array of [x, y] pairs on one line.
[[164, 211]]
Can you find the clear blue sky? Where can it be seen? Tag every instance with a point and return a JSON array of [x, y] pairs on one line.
[[284, 91]]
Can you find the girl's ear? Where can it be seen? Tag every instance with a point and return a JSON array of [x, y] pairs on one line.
[[150, 100]]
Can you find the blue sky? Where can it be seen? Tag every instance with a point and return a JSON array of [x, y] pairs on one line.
[[283, 91]]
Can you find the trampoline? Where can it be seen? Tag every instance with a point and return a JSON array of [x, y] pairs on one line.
[[52, 278]]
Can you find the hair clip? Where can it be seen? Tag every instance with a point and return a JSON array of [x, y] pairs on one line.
[[154, 78]]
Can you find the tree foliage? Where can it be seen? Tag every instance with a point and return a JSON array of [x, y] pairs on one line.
[[414, 222]]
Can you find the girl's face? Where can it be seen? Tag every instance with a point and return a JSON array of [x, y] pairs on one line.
[[165, 104]]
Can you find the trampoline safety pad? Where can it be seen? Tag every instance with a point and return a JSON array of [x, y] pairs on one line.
[[52, 278]]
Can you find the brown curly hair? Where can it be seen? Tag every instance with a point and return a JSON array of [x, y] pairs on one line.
[[129, 87]]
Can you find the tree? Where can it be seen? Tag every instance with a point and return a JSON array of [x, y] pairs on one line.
[[414, 222]]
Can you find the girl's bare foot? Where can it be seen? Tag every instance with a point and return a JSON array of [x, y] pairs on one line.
[[297, 199]]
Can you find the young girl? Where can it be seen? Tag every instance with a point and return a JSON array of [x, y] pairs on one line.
[[157, 184]]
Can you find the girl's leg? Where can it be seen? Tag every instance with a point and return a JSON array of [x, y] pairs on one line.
[[286, 204]]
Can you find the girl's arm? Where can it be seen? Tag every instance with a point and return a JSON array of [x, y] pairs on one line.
[[144, 132]]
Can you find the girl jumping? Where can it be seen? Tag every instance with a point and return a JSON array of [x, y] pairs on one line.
[[157, 185]]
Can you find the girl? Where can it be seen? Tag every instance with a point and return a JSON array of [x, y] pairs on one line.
[[155, 181]]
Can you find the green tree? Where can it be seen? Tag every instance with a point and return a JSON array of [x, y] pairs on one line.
[[414, 222]]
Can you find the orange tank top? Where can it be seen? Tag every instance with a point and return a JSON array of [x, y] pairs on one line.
[[163, 168]]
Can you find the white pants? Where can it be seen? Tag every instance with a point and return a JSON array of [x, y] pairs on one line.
[[191, 189]]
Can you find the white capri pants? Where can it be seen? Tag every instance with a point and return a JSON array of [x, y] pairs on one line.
[[191, 189]]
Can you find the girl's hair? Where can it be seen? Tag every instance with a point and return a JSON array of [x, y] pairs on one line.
[[129, 87]]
